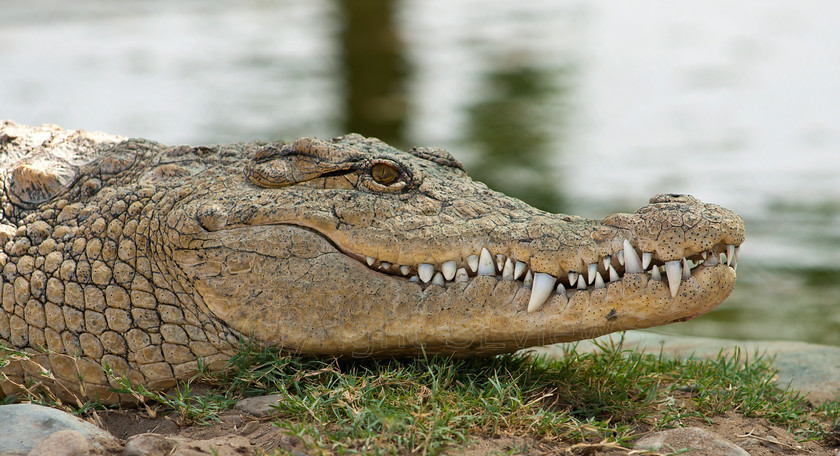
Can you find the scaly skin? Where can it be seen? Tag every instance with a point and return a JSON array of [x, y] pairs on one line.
[[146, 257]]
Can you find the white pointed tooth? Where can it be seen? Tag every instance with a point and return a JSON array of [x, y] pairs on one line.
[[573, 278], [529, 277], [735, 257], [655, 274], [730, 254], [500, 262], [414, 278], [385, 265], [614, 277], [705, 255], [404, 270], [672, 270], [621, 257], [507, 271], [485, 263], [472, 262], [541, 290], [591, 271], [646, 259], [370, 260], [448, 270], [606, 260], [438, 279], [712, 260], [686, 271], [519, 269], [599, 281], [632, 262], [461, 275], [425, 271], [560, 288], [581, 283]]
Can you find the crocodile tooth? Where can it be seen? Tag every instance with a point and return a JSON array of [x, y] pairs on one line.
[[581, 283], [560, 288], [607, 260], [472, 262], [485, 263], [730, 254], [646, 259], [461, 275], [507, 270], [621, 257], [370, 260], [599, 281], [519, 269], [405, 270], [425, 271], [541, 290], [414, 278], [438, 279], [735, 258], [573, 277], [385, 265], [529, 277], [655, 274], [614, 277], [448, 270], [500, 262], [672, 270], [712, 260], [592, 270], [686, 271], [705, 255], [632, 262]]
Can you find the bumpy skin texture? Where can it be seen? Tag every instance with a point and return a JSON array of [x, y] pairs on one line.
[[147, 258]]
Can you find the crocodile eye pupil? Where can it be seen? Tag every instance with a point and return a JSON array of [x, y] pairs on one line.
[[384, 174]]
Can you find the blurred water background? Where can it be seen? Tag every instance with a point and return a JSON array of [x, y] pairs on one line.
[[584, 107]]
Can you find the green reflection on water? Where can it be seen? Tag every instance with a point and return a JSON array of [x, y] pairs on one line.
[[514, 130], [373, 70]]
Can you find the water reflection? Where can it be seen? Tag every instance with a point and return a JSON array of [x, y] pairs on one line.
[[374, 70], [513, 135]]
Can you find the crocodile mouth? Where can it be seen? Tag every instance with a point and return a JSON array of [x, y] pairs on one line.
[[608, 270]]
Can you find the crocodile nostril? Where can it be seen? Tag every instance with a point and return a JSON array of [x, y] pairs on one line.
[[673, 198]]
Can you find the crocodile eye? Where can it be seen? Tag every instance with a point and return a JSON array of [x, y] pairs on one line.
[[384, 174]]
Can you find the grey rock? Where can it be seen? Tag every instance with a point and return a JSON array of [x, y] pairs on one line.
[[24, 426], [148, 445], [259, 406], [807, 368], [66, 442], [701, 442]]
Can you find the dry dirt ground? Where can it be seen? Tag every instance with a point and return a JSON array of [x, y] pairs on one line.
[[755, 435]]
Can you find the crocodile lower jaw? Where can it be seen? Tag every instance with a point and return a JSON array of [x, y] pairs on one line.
[[610, 269]]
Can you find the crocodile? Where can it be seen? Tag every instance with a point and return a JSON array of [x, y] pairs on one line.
[[126, 258]]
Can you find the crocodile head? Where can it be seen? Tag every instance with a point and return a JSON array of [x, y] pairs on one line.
[[353, 247]]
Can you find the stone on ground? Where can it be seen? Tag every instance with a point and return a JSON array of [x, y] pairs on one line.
[[700, 442], [27, 425]]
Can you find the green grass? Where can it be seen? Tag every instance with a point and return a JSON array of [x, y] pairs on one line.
[[427, 404]]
